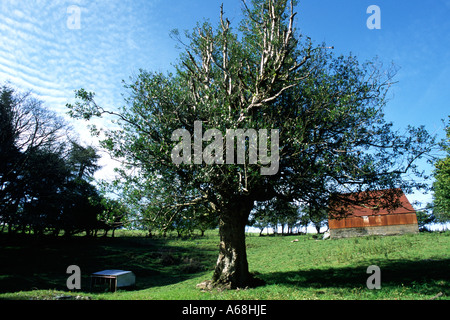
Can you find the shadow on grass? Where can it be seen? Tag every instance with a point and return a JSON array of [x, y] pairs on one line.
[[28, 263], [424, 276]]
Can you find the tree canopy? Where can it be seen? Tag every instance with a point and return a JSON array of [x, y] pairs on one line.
[[45, 175]]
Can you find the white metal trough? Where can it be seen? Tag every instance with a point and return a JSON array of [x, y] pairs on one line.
[[114, 278]]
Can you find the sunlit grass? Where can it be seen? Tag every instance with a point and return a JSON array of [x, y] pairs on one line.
[[412, 267]]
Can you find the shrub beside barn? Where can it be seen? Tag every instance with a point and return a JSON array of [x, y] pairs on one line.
[[386, 212]]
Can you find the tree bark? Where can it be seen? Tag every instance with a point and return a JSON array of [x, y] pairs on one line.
[[232, 267]]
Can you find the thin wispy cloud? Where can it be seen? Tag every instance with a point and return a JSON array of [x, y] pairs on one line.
[[114, 39], [41, 53]]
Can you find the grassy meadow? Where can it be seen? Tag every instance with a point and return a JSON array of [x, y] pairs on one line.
[[412, 267]]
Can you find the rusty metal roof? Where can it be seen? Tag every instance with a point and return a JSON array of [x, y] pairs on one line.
[[369, 203]]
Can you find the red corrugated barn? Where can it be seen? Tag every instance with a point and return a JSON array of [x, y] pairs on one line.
[[386, 212]]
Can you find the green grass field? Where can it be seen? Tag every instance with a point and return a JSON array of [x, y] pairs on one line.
[[412, 267]]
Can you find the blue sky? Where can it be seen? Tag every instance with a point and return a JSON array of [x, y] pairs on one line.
[[40, 52]]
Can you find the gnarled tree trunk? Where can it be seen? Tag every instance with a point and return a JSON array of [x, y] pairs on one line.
[[232, 267]]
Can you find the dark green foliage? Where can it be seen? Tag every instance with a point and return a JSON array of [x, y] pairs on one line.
[[441, 187], [44, 177]]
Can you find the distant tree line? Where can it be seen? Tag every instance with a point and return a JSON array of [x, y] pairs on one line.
[[45, 176], [286, 217]]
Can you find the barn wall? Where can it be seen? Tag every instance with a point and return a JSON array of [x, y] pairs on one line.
[[376, 230], [373, 221]]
